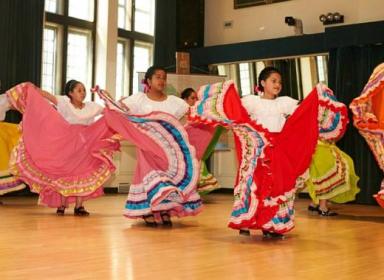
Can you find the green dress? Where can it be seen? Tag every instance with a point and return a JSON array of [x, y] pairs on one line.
[[207, 181], [331, 175]]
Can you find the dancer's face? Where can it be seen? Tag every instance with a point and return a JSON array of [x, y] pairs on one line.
[[192, 98], [78, 93], [158, 80], [272, 85]]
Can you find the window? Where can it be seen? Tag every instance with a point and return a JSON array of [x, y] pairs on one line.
[[51, 6], [135, 46], [49, 59], [145, 16], [221, 69], [68, 44], [260, 65], [122, 72], [124, 14], [79, 57], [54, 6], [142, 60], [322, 69], [245, 80], [82, 9]]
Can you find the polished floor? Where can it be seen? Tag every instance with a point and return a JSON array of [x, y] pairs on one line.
[[36, 244]]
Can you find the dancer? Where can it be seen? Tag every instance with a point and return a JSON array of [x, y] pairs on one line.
[[207, 182], [269, 162], [189, 95], [154, 99], [271, 111], [331, 173], [64, 154], [158, 200]]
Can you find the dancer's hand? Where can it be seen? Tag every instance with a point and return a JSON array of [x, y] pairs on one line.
[[122, 104], [107, 94]]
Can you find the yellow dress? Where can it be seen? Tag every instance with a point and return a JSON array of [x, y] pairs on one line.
[[9, 136]]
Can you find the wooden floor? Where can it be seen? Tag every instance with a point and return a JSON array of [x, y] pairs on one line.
[[36, 244]]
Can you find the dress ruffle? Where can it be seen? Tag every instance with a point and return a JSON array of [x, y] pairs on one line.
[[333, 115], [368, 117]]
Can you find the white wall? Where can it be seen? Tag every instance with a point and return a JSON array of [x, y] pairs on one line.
[[267, 21]]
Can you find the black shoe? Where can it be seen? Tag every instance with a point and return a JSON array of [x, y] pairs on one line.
[[150, 220], [312, 208], [60, 211], [244, 232], [80, 211], [327, 213], [166, 218], [273, 235], [267, 234]]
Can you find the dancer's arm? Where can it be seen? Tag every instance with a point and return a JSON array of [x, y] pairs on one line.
[[49, 97]]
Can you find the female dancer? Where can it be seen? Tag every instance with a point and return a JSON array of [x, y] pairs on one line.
[[331, 173], [269, 162], [207, 182], [158, 202], [64, 154]]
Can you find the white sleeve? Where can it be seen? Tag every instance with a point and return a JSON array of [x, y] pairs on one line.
[[96, 108], [248, 103], [62, 101], [182, 108], [288, 104], [132, 102], [4, 106]]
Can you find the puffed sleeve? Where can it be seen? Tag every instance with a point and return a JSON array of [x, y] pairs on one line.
[[63, 103], [248, 103], [96, 108], [182, 107], [133, 102], [287, 104]]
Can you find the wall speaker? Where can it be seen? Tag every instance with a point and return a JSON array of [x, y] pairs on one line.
[[190, 24]]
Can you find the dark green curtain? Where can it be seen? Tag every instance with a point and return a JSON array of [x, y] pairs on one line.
[[291, 86], [349, 70], [21, 40]]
